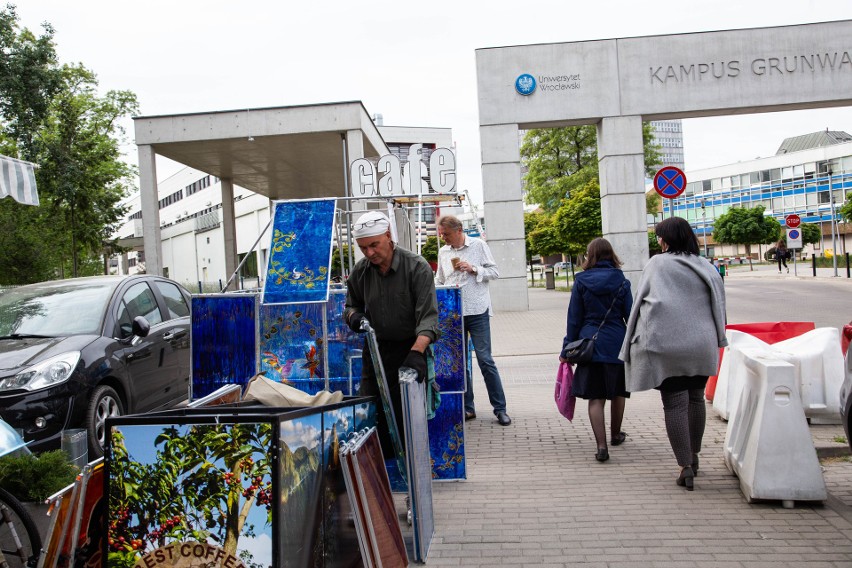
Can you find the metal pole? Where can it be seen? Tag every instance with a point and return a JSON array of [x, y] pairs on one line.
[[833, 238], [245, 258], [704, 220]]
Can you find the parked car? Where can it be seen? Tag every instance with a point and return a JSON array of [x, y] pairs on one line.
[[846, 389], [73, 352], [562, 265]]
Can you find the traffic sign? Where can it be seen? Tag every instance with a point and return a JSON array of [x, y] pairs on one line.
[[793, 221], [794, 239], [670, 182]]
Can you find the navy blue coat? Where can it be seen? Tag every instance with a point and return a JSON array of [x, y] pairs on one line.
[[591, 296]]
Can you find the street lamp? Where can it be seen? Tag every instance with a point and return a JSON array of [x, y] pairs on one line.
[[833, 239], [704, 221]]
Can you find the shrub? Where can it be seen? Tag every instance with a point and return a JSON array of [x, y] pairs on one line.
[[35, 478]]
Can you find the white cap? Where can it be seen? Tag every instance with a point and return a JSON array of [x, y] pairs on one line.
[[370, 224]]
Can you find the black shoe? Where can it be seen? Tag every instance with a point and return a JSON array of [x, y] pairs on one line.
[[618, 440], [602, 455], [469, 415], [695, 464], [686, 478], [503, 418]]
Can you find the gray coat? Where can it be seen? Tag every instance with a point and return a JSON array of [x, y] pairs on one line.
[[677, 323]]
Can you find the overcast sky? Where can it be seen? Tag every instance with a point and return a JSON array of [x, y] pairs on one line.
[[412, 62]]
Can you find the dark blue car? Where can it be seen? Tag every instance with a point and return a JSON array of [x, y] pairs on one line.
[[73, 352]]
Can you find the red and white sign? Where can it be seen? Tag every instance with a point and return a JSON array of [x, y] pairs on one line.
[[793, 221]]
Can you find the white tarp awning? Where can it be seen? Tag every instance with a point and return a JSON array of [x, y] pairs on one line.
[[17, 180]]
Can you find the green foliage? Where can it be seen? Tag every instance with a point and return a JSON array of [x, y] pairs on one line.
[[552, 155], [35, 478], [578, 221], [429, 250], [746, 227], [545, 240], [653, 245], [811, 233], [335, 260], [51, 115], [531, 223], [201, 486], [846, 210]]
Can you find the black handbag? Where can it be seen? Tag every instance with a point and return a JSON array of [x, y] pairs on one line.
[[582, 350]]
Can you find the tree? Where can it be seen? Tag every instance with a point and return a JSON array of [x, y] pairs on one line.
[[429, 250], [846, 209], [51, 115], [811, 233], [560, 160], [578, 220], [741, 226]]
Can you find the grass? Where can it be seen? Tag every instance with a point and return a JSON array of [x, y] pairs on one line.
[[840, 439]]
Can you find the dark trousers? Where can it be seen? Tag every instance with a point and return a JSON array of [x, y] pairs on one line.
[[393, 353], [685, 419]]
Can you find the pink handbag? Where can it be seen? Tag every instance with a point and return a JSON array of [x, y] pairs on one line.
[[565, 401]]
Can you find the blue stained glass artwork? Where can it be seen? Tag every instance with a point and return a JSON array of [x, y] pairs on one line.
[[446, 439], [300, 252], [449, 349], [344, 345], [291, 342], [224, 348]]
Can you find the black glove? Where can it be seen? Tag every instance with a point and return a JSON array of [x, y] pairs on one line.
[[417, 361], [355, 321]]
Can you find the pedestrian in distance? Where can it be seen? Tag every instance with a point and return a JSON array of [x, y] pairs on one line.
[[599, 306], [466, 262], [782, 254], [674, 333], [394, 290]]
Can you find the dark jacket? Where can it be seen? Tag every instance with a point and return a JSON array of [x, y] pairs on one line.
[[591, 296]]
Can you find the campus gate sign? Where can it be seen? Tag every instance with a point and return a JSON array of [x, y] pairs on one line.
[[618, 83]]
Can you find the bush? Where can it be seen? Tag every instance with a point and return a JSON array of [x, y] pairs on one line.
[[35, 478]]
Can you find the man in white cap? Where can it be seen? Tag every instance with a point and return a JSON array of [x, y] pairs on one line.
[[393, 289]]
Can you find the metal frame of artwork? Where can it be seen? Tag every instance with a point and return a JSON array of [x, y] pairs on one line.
[[300, 274], [228, 329], [387, 406], [358, 507], [418, 462], [373, 487]]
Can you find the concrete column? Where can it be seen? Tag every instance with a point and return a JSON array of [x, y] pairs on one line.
[[621, 160], [149, 198], [504, 215], [229, 232]]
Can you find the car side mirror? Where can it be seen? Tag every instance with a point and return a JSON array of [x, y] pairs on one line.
[[141, 327]]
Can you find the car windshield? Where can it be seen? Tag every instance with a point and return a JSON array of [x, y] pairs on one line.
[[72, 308]]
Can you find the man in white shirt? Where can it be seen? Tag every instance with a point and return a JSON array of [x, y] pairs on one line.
[[466, 262]]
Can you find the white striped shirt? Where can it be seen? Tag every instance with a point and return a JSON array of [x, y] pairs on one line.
[[476, 298]]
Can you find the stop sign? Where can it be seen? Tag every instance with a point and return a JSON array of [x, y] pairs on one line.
[[793, 221]]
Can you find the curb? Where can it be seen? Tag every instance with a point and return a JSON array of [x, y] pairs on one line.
[[833, 451]]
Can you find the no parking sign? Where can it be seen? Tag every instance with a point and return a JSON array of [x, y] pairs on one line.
[[794, 238]]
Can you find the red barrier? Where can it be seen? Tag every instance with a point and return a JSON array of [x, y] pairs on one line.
[[846, 338], [769, 332]]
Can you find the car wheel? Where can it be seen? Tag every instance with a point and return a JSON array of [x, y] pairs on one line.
[[104, 403]]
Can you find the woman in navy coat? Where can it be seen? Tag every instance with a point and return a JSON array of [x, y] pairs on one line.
[[600, 285]]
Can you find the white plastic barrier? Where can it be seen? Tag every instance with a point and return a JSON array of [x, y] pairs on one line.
[[768, 444], [818, 371]]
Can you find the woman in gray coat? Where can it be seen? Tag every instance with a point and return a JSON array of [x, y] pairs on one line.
[[674, 332]]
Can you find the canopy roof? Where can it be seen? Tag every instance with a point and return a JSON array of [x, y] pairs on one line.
[[294, 152]]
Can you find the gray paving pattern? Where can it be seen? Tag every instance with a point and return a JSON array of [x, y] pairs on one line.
[[535, 496]]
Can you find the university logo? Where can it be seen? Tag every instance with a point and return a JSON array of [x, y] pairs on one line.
[[525, 84]]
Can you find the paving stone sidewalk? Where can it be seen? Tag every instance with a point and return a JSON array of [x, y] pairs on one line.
[[535, 496]]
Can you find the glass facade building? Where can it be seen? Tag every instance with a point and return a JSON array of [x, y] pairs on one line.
[[804, 183]]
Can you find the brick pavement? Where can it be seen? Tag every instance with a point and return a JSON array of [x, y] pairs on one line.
[[535, 496]]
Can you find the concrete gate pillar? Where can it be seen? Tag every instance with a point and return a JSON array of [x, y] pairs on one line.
[[621, 160], [149, 199], [229, 232], [504, 214]]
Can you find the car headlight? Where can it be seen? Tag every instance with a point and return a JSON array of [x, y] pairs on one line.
[[45, 374]]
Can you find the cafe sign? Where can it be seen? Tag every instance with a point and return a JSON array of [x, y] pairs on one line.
[[388, 176]]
